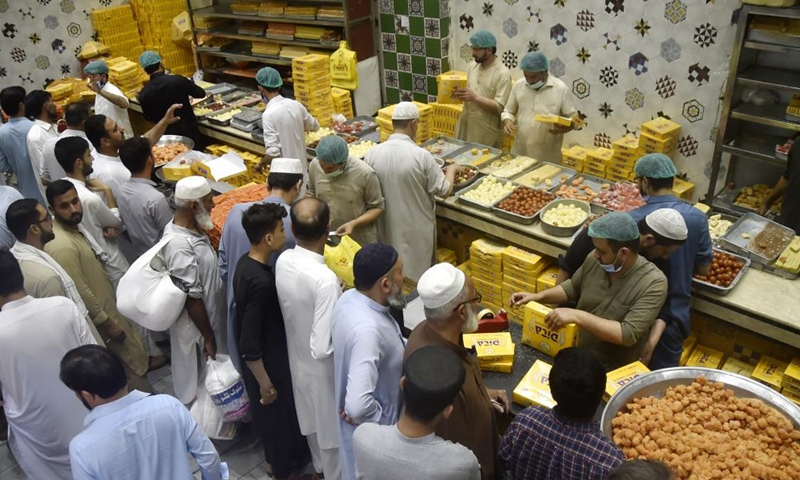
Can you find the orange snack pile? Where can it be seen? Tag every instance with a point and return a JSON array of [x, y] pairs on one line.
[[166, 153], [225, 202]]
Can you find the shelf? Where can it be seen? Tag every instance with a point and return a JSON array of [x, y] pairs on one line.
[[245, 56], [217, 11], [793, 12], [770, 78], [773, 116], [251, 74], [770, 47], [260, 38], [761, 148]]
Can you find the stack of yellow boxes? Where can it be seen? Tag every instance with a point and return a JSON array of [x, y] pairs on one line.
[[495, 351], [683, 189], [534, 389], [60, 92], [342, 102], [445, 118], [769, 372], [622, 376], [520, 271], [707, 357], [791, 381], [384, 120], [250, 161], [739, 367], [312, 86], [508, 142], [575, 157], [659, 136], [117, 28], [620, 169], [486, 264], [547, 279], [536, 333], [125, 75], [424, 130], [597, 161], [688, 348], [445, 255]]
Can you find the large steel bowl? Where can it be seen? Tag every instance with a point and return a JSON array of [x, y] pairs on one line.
[[557, 231], [169, 140], [656, 383]]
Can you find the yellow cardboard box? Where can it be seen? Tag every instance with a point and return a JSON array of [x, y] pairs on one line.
[[793, 370], [502, 367], [449, 84], [688, 348], [515, 313], [661, 128], [620, 377], [705, 357], [576, 153], [487, 249], [737, 366], [534, 388], [485, 263], [527, 276], [516, 284], [656, 144], [600, 156], [536, 334], [547, 279], [491, 347], [627, 144], [769, 371], [554, 119], [718, 335], [484, 286], [522, 259], [683, 189]]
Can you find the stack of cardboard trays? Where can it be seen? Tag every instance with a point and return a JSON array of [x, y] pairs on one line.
[[538, 335], [445, 255], [495, 351], [659, 136], [703, 356], [445, 118], [125, 75], [520, 271], [575, 157], [342, 102], [626, 152], [534, 389], [622, 376], [790, 382], [486, 264], [597, 161], [312, 86], [769, 371]]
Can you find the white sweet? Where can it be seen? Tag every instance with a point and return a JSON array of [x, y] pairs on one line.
[[489, 191], [360, 149], [718, 226], [312, 137], [564, 215]]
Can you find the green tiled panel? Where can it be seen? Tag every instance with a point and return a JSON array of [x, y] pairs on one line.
[[416, 26], [445, 64], [405, 81], [433, 47], [433, 87], [421, 97], [387, 23], [392, 95], [431, 8], [403, 44], [418, 64], [444, 27], [401, 7], [389, 61]]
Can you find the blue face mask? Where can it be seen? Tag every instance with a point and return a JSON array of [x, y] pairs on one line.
[[335, 174], [609, 267], [536, 85]]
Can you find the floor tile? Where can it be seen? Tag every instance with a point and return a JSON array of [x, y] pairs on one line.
[[243, 457], [13, 473]]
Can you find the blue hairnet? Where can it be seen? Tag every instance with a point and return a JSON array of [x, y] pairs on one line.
[[617, 226], [149, 58], [268, 77], [483, 39], [655, 165], [332, 149], [98, 66], [534, 62]]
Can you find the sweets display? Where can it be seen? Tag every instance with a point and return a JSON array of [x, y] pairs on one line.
[[769, 242], [526, 201], [166, 153], [565, 215], [718, 226], [508, 166], [489, 191], [724, 269], [621, 197]]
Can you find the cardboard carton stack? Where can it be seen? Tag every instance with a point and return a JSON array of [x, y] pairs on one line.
[[575, 157], [117, 29], [312, 86], [620, 168], [659, 136], [486, 265], [520, 271], [495, 351]]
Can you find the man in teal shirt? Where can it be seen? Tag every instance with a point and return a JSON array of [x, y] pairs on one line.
[[14, 156]]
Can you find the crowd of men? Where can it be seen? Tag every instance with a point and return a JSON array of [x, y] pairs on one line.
[[332, 380]]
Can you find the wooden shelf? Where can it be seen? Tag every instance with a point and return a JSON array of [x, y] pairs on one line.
[[218, 11], [245, 56], [225, 33]]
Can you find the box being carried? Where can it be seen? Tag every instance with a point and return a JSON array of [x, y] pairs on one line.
[[534, 389], [491, 347], [536, 333], [620, 377], [222, 168], [553, 119], [448, 84]]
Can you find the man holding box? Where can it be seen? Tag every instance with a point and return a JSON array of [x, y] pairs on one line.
[[618, 294], [486, 94]]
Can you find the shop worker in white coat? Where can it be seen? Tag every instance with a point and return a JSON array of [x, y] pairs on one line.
[[542, 93], [109, 101], [307, 292], [410, 177], [488, 87], [285, 123]]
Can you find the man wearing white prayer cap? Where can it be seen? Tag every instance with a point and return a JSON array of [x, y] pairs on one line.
[[191, 262], [284, 182], [451, 306], [409, 178]]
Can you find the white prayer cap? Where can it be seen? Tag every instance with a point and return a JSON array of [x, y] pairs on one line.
[[286, 165], [405, 111], [440, 284], [192, 188], [668, 223]]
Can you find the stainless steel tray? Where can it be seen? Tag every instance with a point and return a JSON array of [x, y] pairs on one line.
[[373, 136], [464, 154], [248, 115], [221, 123], [773, 270], [472, 203], [366, 131], [656, 383], [236, 94], [525, 170], [723, 216], [752, 224], [220, 89], [258, 135], [724, 290], [514, 217], [208, 101], [463, 185], [569, 172], [450, 145]]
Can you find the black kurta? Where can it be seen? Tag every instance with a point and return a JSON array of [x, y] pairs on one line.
[[261, 335], [165, 90]]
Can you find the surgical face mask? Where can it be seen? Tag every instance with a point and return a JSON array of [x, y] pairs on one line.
[[335, 173], [536, 85], [609, 267], [472, 320]]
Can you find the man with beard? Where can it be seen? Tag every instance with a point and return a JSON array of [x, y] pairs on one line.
[[368, 347], [43, 416], [486, 94], [191, 262], [14, 156], [40, 108], [450, 302], [75, 251], [32, 225]]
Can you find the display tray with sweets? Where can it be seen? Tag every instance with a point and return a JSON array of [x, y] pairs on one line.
[[509, 166], [582, 187], [474, 154], [757, 238], [223, 117], [546, 176], [443, 146], [465, 177], [725, 275], [523, 198], [209, 107], [490, 203]]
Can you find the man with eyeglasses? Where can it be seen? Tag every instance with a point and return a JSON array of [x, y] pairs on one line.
[[451, 305]]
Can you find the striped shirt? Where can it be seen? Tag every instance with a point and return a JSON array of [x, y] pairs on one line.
[[540, 444]]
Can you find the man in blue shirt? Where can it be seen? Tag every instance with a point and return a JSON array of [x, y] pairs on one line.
[[8, 195], [283, 186], [130, 435], [655, 174], [368, 347], [14, 156]]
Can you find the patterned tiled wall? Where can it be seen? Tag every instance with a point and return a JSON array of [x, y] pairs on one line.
[[41, 39], [625, 60], [415, 39]]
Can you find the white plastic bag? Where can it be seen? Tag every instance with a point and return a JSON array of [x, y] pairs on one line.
[[147, 295], [207, 415], [226, 388]]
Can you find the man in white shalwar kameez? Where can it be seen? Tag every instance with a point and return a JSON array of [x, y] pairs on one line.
[[410, 178], [43, 415], [307, 292], [285, 123]]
